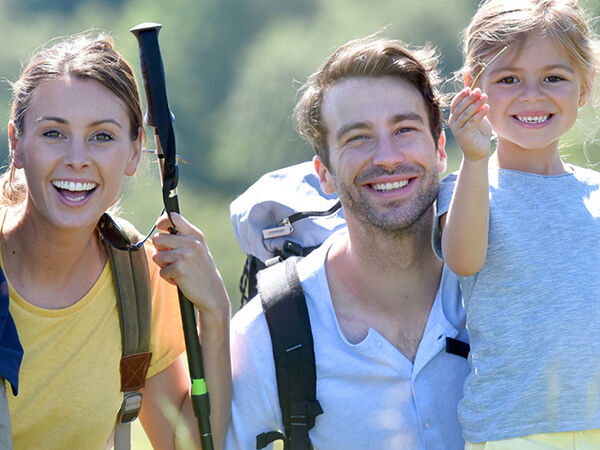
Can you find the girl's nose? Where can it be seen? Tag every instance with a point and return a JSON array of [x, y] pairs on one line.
[[532, 92]]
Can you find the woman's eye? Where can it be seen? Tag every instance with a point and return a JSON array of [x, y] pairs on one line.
[[508, 80], [53, 134], [102, 137]]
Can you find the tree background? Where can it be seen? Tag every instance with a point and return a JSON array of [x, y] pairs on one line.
[[233, 68]]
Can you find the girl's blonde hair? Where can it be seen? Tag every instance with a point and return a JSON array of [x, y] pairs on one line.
[[509, 22]]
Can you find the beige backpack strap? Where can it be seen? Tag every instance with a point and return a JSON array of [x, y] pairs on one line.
[[132, 282]]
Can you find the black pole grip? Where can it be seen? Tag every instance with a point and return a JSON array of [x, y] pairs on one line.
[[159, 115], [160, 118], [151, 62]]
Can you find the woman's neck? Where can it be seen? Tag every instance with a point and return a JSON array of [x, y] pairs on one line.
[[50, 267]]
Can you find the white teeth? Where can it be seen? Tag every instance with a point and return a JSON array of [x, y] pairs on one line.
[[73, 186], [389, 186], [533, 119]]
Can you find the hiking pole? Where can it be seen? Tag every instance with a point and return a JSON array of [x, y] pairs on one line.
[[159, 117]]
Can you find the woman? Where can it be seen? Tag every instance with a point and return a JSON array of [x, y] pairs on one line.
[[75, 131]]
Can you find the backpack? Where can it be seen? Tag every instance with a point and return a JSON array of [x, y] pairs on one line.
[[285, 213], [268, 223], [132, 283], [280, 218]]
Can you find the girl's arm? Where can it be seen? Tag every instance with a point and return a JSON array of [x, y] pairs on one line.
[[465, 226], [185, 259]]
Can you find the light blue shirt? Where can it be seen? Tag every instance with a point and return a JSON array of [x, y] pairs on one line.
[[373, 397], [533, 310]]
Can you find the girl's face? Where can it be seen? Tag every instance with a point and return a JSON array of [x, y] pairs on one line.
[[534, 93], [75, 149]]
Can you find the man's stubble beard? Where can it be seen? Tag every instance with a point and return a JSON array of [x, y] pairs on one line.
[[396, 218]]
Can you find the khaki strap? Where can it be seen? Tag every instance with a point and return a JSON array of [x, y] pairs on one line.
[[132, 283]]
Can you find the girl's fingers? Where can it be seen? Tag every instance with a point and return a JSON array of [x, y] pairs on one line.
[[458, 98], [466, 119], [477, 118], [465, 112]]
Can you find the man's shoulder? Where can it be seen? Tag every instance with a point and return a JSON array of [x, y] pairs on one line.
[[249, 318]]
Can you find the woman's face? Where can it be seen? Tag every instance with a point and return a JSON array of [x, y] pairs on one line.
[[75, 149]]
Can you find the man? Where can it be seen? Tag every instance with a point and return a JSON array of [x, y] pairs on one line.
[[381, 304]]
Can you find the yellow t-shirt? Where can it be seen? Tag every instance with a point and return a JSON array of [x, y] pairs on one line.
[[69, 384]]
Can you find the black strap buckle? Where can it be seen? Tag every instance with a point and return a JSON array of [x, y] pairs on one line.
[[456, 347], [264, 439]]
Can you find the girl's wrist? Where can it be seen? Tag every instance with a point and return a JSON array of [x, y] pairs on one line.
[[477, 161]]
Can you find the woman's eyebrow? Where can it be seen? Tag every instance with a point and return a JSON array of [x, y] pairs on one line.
[[64, 121]]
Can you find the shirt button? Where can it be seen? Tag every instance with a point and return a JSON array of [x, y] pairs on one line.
[[427, 425]]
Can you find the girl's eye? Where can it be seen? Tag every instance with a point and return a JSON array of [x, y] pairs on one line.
[[508, 80], [53, 134], [553, 78], [102, 137]]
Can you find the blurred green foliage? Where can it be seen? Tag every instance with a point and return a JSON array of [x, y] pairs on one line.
[[233, 68]]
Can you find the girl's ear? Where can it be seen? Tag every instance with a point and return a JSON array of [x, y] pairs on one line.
[[135, 156], [13, 143], [467, 79], [325, 177], [584, 91], [441, 153]]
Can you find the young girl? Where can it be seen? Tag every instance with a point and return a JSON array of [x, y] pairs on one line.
[[75, 132], [523, 229]]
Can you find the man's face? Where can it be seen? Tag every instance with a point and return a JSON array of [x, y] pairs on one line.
[[384, 162]]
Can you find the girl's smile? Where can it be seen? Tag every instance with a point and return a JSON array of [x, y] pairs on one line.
[[534, 92], [533, 119]]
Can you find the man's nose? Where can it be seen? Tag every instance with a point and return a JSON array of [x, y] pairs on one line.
[[388, 153]]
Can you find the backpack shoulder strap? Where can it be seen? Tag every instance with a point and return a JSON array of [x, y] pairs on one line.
[[132, 282], [286, 313]]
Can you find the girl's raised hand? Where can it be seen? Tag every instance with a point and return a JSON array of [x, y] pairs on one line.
[[185, 260], [469, 125]]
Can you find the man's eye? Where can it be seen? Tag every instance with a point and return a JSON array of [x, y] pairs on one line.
[[357, 138], [508, 80], [404, 130], [102, 137], [53, 134]]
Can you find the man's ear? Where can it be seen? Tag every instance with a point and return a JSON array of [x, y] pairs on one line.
[[135, 156], [442, 157], [13, 144], [325, 177]]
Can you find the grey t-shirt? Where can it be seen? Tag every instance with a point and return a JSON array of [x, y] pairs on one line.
[[533, 310]]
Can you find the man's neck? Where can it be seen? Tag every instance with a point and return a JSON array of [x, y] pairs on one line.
[[386, 282]]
